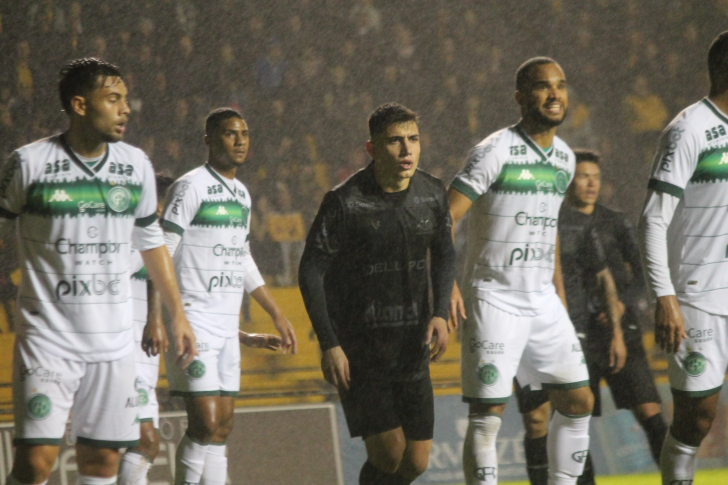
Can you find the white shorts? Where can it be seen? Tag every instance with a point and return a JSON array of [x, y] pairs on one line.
[[147, 374], [542, 352], [698, 368], [214, 372], [99, 397]]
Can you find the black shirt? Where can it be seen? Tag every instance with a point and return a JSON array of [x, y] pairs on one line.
[[582, 257], [364, 273]]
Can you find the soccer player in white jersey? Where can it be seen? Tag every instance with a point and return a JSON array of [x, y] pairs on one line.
[[80, 199], [206, 222], [516, 323], [683, 236]]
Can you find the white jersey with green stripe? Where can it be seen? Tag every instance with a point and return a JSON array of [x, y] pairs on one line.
[[76, 227], [691, 164], [212, 214], [517, 189]]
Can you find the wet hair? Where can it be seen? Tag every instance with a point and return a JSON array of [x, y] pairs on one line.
[[523, 74], [585, 155], [164, 182], [718, 63], [216, 118], [388, 114], [81, 76]]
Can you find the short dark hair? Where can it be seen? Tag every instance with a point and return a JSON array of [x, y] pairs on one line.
[[80, 76], [718, 63], [388, 114], [164, 182], [523, 74], [585, 155], [217, 116]]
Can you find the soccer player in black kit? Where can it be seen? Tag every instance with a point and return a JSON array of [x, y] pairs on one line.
[[365, 283], [592, 238]]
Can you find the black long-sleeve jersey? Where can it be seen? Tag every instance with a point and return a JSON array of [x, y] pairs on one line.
[[364, 273], [582, 257]]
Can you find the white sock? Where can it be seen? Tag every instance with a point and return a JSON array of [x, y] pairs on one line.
[[480, 460], [215, 472], [11, 480], [568, 446], [189, 461], [677, 461], [133, 469], [86, 480]]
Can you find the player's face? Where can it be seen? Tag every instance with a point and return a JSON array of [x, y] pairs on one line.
[[107, 110], [545, 101], [586, 184], [229, 144], [396, 152]]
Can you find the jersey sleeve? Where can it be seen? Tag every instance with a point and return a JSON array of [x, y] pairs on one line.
[[675, 159], [594, 258], [180, 207], [442, 255], [481, 169], [146, 210]]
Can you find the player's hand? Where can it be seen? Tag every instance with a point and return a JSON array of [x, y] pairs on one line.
[[669, 324], [457, 308], [288, 335], [437, 329], [617, 353], [184, 341], [260, 340], [154, 338], [335, 367]]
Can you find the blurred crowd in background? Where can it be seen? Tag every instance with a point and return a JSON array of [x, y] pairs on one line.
[[307, 73]]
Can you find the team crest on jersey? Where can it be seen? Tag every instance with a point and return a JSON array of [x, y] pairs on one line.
[[488, 374], [694, 364], [118, 198], [39, 407], [196, 369], [561, 181]]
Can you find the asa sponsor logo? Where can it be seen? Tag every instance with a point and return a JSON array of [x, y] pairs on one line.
[[45, 375], [487, 346], [580, 456], [67, 246], [39, 407], [97, 285], [524, 219], [119, 198], [486, 472], [221, 250], [694, 364], [487, 374], [532, 253], [229, 280], [196, 369], [60, 195]]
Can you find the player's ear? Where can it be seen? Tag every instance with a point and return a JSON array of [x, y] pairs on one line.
[[206, 139], [78, 105], [518, 97], [370, 149]]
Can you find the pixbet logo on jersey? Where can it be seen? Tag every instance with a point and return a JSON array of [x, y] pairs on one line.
[[96, 285], [532, 252], [225, 280]]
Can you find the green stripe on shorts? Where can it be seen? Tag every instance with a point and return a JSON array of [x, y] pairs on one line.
[[229, 393], [486, 400], [706, 393], [565, 387], [194, 393], [107, 443], [37, 441]]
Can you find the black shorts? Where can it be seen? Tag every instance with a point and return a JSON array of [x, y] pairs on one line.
[[372, 407], [529, 400], [630, 387]]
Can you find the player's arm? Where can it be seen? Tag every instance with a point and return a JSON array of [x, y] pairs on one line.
[[285, 329], [558, 278], [154, 339], [460, 204], [442, 274], [260, 340], [615, 310], [324, 242]]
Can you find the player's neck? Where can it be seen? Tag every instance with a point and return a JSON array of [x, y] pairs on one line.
[[587, 209], [226, 171], [390, 184], [84, 143], [720, 101], [542, 135]]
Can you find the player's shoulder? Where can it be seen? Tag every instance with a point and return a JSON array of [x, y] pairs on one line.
[[691, 120], [605, 215], [39, 151], [196, 177], [495, 143], [427, 181]]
